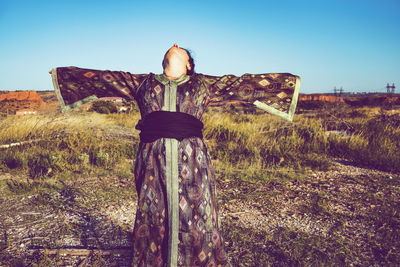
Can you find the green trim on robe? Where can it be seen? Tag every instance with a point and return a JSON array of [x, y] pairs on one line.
[[162, 79], [171, 160]]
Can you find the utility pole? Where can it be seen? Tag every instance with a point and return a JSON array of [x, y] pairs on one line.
[[337, 91], [390, 88]]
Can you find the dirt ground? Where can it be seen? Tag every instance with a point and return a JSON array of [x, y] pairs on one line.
[[347, 216]]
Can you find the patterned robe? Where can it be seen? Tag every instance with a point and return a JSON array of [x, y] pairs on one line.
[[177, 218]]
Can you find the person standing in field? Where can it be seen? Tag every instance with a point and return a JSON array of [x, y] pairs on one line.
[[177, 217]]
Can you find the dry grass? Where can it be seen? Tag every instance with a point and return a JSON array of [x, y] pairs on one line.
[[74, 142], [257, 145]]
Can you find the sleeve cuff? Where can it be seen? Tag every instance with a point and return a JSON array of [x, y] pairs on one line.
[[64, 107], [292, 109]]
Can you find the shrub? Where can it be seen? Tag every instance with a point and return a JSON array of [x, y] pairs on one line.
[[105, 157], [42, 165], [12, 159], [101, 158], [84, 159], [14, 162], [104, 107]]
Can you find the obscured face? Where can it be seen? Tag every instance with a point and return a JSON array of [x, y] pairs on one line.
[[176, 56]]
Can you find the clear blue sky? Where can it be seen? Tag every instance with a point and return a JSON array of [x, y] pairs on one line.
[[349, 43]]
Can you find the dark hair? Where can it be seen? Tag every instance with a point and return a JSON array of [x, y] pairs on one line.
[[191, 61]]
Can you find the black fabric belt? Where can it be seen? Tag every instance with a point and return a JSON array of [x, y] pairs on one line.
[[168, 124]]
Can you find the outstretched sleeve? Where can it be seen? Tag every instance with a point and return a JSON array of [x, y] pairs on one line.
[[276, 93], [77, 86]]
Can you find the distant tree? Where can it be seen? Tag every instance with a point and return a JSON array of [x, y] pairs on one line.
[[104, 107]]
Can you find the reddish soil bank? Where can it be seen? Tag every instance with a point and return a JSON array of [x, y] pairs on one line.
[[11, 102], [321, 97], [21, 96]]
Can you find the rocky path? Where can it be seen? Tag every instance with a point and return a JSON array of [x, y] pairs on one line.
[[347, 216]]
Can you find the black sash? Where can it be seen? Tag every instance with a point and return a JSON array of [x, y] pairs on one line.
[[168, 124]]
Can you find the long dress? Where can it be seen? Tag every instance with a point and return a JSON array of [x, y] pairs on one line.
[[177, 218]]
